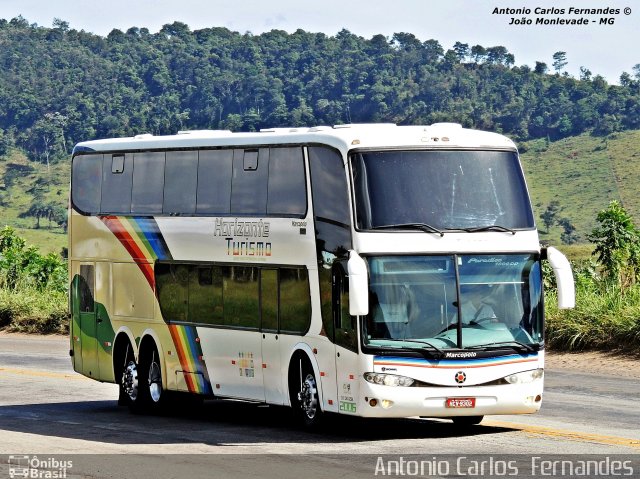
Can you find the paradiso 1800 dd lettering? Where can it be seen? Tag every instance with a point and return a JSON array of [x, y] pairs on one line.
[[246, 229]]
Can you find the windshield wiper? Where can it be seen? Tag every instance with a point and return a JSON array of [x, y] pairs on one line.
[[414, 226], [517, 345], [489, 228], [419, 341]]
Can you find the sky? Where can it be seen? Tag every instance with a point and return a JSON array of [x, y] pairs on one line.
[[605, 49]]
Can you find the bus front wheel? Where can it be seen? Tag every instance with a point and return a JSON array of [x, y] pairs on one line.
[[305, 399]]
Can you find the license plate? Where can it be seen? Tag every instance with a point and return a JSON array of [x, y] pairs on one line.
[[461, 402]]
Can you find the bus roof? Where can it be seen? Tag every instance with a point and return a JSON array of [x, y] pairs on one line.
[[343, 137]]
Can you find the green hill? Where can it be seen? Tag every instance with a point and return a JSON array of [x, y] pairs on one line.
[[583, 173], [22, 182]]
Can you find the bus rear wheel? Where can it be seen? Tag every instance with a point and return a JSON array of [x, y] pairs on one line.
[[464, 421], [154, 380], [151, 395], [129, 385]]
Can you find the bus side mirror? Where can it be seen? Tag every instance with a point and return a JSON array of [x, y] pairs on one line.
[[564, 277], [358, 286]]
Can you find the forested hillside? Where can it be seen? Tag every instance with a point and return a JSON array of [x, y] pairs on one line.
[[59, 86]]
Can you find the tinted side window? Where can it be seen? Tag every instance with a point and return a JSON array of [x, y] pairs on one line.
[[117, 178], [214, 181], [345, 324], [205, 295], [329, 185], [172, 286], [332, 220], [249, 184], [86, 288], [180, 182], [287, 183], [295, 301], [87, 183], [148, 182], [269, 299], [240, 296]]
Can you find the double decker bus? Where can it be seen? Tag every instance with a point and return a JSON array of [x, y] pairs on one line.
[[369, 270]]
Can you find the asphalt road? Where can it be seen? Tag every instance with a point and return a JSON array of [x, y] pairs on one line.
[[48, 410]]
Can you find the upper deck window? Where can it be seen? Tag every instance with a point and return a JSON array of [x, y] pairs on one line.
[[238, 182], [443, 189]]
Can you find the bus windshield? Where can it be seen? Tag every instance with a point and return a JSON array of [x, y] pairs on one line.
[[460, 189], [455, 302]]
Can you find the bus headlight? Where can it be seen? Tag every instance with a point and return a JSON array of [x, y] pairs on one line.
[[525, 377], [388, 379]]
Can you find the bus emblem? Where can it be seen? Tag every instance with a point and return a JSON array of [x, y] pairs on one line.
[[461, 377]]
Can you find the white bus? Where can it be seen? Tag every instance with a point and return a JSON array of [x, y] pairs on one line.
[[368, 270]]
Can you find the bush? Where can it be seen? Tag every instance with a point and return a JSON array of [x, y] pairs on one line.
[[606, 316], [31, 311], [33, 288]]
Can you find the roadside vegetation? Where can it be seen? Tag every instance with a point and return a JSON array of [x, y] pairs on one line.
[[33, 288], [607, 313]]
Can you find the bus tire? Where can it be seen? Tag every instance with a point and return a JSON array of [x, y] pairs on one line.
[[304, 396], [125, 373], [465, 421], [151, 394], [130, 385]]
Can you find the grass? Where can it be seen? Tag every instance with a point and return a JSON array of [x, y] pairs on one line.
[[605, 318], [578, 173], [32, 311]]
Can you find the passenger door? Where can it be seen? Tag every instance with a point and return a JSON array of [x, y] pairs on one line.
[[84, 321], [346, 339], [269, 313]]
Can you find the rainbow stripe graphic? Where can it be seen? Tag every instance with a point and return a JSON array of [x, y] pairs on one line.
[[455, 363], [142, 238], [187, 343]]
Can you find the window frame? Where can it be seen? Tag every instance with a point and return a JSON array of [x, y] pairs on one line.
[[129, 157], [194, 266]]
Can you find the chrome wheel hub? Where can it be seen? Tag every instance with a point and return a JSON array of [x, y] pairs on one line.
[[130, 380], [155, 382], [308, 396]]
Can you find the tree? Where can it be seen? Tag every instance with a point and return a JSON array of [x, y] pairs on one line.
[[46, 137], [548, 216], [625, 79], [559, 61], [38, 209], [4, 147], [479, 53], [59, 215], [405, 41], [568, 235], [60, 24], [462, 51], [585, 74], [541, 68], [617, 244]]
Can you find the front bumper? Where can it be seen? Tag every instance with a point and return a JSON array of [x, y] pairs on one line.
[[431, 401]]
